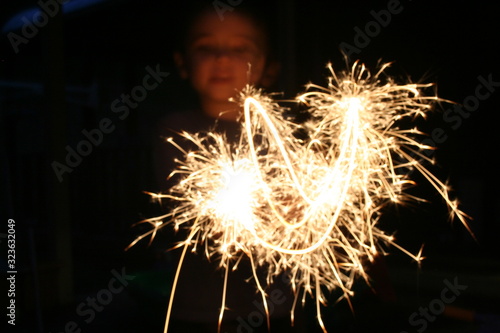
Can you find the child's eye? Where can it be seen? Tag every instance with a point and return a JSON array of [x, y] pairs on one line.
[[205, 50], [244, 52], [241, 50]]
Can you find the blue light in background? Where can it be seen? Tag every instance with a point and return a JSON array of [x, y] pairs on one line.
[[19, 20]]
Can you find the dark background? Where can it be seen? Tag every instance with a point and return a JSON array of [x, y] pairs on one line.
[[72, 234]]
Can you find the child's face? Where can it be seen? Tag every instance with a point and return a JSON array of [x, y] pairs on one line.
[[222, 56]]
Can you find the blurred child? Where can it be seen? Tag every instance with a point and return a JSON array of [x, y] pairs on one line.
[[218, 56]]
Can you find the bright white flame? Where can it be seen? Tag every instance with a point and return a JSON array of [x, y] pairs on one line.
[[233, 202], [305, 207]]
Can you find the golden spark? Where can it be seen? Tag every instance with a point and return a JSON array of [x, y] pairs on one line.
[[305, 207]]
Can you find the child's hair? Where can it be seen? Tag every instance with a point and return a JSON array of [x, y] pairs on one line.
[[259, 12]]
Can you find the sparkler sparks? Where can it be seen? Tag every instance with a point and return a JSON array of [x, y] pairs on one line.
[[305, 207]]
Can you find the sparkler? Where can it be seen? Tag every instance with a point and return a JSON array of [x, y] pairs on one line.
[[305, 207]]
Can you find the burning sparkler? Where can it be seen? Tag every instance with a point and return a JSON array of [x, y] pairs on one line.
[[305, 207]]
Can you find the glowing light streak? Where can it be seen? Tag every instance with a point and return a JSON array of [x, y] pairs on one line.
[[304, 207]]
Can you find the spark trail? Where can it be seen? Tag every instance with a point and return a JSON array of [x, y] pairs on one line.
[[305, 207]]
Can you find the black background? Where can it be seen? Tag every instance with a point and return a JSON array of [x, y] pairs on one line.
[[102, 52]]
